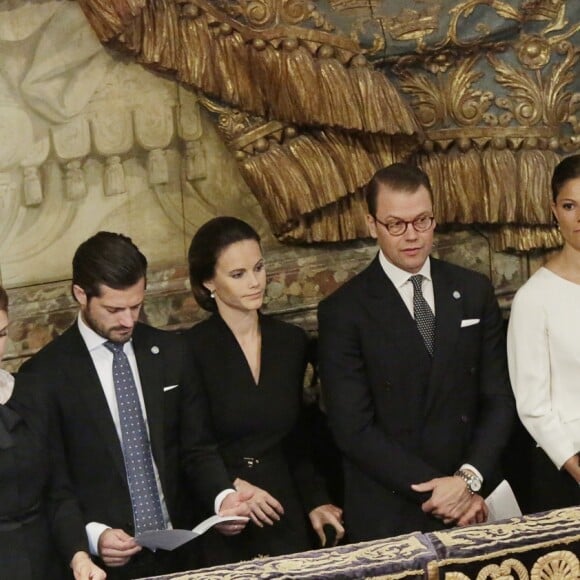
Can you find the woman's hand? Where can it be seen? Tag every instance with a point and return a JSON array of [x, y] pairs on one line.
[[572, 466], [85, 569], [327, 514], [264, 508]]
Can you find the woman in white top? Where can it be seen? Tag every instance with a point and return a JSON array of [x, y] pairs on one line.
[[544, 354]]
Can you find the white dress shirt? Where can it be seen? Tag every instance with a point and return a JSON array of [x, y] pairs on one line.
[[401, 279]]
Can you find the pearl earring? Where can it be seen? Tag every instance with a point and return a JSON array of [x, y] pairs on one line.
[[212, 294]]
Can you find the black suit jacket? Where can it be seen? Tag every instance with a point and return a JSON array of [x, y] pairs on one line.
[[35, 489], [399, 417], [92, 447]]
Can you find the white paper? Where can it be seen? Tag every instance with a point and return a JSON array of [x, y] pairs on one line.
[[502, 503], [171, 539]]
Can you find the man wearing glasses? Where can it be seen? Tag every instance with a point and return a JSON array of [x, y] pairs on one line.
[[414, 374]]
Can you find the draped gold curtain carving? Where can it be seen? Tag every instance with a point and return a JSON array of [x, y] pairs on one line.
[[311, 110]]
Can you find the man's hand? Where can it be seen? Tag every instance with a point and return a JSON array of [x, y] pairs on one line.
[[116, 547], [327, 514], [264, 508], [84, 568], [449, 500], [234, 504], [476, 513]]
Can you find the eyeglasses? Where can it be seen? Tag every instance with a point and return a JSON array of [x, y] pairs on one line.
[[399, 227]]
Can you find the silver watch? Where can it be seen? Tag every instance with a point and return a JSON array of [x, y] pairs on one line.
[[471, 480]]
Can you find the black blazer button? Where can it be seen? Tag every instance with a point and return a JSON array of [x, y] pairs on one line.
[[464, 419]]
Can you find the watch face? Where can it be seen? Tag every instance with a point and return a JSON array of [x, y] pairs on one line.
[[475, 484]]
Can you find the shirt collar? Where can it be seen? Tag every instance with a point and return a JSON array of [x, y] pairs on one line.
[[91, 338], [398, 276]]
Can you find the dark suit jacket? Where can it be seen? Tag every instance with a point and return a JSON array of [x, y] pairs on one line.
[[38, 511], [399, 417], [92, 447]]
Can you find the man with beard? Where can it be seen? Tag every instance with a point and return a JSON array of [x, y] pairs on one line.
[[133, 427]]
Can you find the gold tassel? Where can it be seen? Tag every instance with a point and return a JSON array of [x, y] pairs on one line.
[[525, 239], [265, 63], [325, 181], [535, 171], [350, 158], [500, 172], [442, 204], [342, 109], [469, 186], [196, 59], [298, 94], [380, 104], [279, 192], [238, 74]]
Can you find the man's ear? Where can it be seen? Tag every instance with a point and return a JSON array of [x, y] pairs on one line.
[[372, 225], [80, 295]]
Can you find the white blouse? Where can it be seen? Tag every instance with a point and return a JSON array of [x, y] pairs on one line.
[[544, 362]]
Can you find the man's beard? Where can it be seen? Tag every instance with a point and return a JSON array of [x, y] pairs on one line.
[[108, 333]]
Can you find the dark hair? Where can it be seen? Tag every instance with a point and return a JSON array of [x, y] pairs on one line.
[[3, 299], [206, 246], [107, 259], [398, 176], [567, 169]]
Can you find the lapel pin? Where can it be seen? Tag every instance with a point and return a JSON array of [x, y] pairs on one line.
[[155, 349], [456, 294]]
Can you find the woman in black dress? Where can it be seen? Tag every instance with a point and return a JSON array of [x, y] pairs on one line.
[[39, 517], [251, 369]]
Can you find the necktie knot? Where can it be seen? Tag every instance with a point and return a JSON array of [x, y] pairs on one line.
[[417, 281], [114, 347]]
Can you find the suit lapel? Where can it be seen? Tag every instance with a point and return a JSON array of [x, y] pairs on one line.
[[448, 313], [83, 373], [150, 365], [392, 314]]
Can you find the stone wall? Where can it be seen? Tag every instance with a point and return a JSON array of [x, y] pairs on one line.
[[298, 278]]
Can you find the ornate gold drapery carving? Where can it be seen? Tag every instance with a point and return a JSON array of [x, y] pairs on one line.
[[313, 98]]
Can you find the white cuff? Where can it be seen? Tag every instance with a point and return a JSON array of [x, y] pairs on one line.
[[217, 504], [470, 467], [94, 531]]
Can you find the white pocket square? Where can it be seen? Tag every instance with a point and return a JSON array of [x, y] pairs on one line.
[[469, 322], [170, 388]]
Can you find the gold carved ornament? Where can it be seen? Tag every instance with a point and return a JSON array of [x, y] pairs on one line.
[[498, 118], [309, 119], [306, 116]]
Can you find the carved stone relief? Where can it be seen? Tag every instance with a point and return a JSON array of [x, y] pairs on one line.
[[92, 141]]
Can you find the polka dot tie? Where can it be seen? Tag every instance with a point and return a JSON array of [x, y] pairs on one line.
[[424, 316], [147, 511]]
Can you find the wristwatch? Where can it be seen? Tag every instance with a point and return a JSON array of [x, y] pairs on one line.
[[471, 480]]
